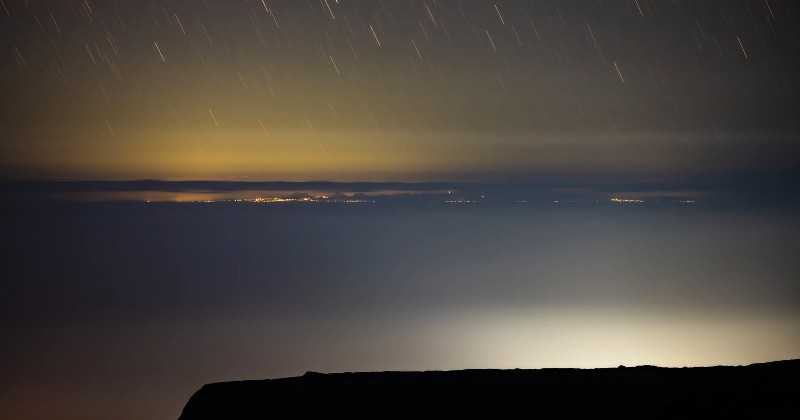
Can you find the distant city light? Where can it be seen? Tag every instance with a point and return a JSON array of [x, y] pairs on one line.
[[625, 200]]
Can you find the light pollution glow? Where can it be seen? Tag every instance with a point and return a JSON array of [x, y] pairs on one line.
[[234, 89]]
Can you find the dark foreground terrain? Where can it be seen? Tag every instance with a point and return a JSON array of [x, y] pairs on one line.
[[765, 390]]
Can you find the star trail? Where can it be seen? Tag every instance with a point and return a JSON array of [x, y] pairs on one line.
[[393, 89]]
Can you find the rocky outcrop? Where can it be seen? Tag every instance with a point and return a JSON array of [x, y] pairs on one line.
[[766, 390]]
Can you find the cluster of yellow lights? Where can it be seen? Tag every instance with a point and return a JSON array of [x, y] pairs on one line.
[[321, 199], [275, 200], [327, 199], [353, 201]]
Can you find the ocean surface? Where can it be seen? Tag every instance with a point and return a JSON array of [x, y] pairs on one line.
[[123, 309]]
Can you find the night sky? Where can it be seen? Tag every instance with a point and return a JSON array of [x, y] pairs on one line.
[[396, 90], [195, 191]]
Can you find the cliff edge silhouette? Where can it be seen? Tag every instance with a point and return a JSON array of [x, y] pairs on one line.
[[763, 390]]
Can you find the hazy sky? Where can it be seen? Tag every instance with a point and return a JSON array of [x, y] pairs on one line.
[[395, 89]]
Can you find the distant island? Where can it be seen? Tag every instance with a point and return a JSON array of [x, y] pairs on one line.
[[764, 390]]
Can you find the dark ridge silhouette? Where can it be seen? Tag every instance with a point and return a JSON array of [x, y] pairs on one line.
[[776, 181], [764, 390]]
